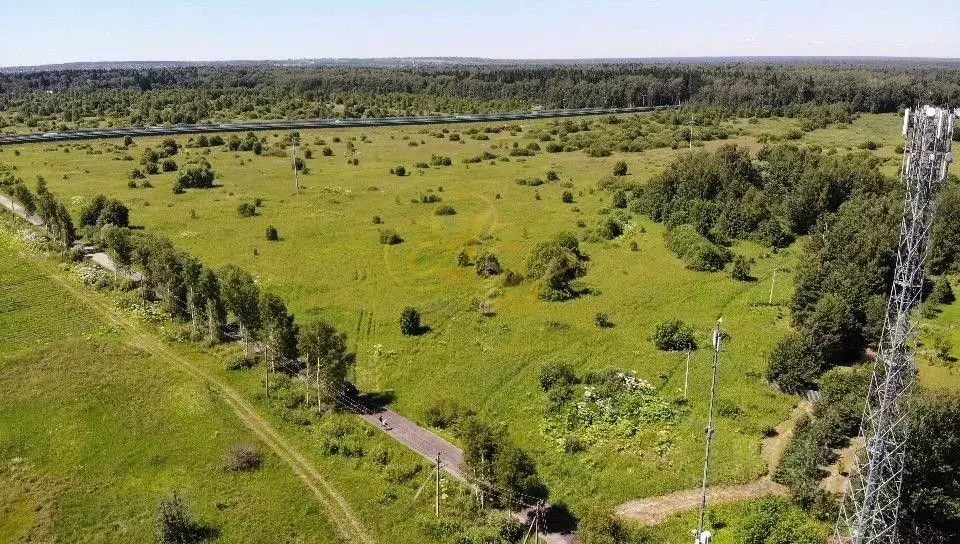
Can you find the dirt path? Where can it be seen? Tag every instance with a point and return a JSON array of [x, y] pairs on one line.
[[656, 510], [338, 511]]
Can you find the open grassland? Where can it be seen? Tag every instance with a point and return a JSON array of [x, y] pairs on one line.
[[93, 432], [329, 263], [96, 425]]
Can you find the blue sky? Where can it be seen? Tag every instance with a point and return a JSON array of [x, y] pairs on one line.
[[91, 30]]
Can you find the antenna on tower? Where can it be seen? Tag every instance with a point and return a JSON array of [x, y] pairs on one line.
[[702, 536]]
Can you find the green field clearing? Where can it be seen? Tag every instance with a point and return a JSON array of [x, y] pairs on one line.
[[94, 431], [330, 264]]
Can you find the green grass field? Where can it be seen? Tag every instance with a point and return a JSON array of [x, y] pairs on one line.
[[329, 264], [93, 432]]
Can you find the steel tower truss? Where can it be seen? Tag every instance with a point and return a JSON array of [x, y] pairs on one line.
[[869, 511]]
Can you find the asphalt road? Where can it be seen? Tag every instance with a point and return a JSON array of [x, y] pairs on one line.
[[86, 134]]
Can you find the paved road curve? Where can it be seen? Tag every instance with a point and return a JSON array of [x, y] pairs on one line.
[[87, 134], [427, 444]]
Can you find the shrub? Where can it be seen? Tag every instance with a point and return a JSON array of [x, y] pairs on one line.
[[552, 176], [410, 322], [377, 220], [246, 210], [197, 176], [132, 184], [445, 209], [634, 246], [567, 197], [462, 258], [430, 198], [609, 228], [778, 521], [598, 151], [400, 171], [794, 363], [445, 413], [272, 234], [169, 166], [152, 168], [389, 237], [556, 264], [619, 200], [512, 279], [557, 380], [674, 335], [102, 211], [602, 320], [176, 525], [243, 457], [870, 145], [942, 293], [620, 169], [697, 251], [942, 347], [326, 151], [741, 269], [488, 265], [438, 160], [136, 174]]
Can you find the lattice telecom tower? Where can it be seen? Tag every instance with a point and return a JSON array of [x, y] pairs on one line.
[[869, 512]]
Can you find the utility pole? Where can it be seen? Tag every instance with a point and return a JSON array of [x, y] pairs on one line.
[[717, 340], [772, 283], [535, 524], [438, 486], [296, 171], [691, 131], [266, 374], [686, 374]]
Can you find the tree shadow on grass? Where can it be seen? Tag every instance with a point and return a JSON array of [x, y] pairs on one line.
[[559, 519], [377, 400]]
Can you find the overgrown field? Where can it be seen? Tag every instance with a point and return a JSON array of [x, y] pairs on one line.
[[487, 342], [93, 432]]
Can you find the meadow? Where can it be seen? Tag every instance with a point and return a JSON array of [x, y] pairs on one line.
[[328, 263], [93, 433], [97, 425]]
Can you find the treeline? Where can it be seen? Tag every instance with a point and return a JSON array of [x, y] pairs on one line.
[[43, 204], [202, 297], [849, 214], [195, 94]]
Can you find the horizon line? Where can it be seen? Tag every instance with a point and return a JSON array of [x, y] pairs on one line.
[[534, 60]]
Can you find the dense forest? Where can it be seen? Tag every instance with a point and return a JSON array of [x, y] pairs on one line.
[[70, 98]]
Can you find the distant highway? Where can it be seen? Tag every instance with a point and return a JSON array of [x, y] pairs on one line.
[[86, 134]]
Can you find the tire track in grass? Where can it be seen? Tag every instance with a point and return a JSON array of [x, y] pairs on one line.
[[339, 511]]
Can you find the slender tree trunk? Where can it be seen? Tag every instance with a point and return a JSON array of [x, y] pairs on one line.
[[319, 407]]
